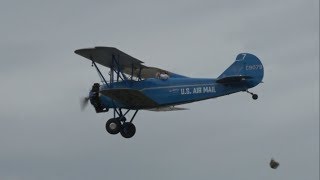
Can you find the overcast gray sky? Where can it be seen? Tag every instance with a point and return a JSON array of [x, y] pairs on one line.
[[43, 134]]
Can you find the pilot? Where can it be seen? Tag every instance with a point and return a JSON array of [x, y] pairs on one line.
[[162, 75]]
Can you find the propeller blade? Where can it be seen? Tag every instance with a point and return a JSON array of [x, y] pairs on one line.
[[84, 102]]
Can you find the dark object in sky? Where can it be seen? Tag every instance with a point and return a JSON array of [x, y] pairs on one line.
[[274, 164]]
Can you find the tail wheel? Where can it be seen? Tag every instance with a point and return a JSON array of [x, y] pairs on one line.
[[113, 126], [128, 130], [255, 96]]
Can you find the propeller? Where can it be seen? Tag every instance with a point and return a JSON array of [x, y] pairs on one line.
[[84, 102], [92, 95]]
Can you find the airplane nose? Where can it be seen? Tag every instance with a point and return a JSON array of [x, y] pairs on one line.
[[93, 97], [95, 100]]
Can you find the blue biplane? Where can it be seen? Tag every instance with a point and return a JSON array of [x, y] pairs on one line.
[[133, 86]]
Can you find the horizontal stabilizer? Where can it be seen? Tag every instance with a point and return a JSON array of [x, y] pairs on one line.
[[167, 108], [232, 79], [131, 98]]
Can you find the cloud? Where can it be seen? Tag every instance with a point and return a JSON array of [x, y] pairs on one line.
[[44, 135]]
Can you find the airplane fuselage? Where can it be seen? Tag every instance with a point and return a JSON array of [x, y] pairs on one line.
[[174, 91]]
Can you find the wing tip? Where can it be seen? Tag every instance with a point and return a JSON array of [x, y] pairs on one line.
[[77, 51]]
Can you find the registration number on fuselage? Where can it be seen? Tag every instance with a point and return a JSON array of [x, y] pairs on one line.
[[198, 90], [254, 67]]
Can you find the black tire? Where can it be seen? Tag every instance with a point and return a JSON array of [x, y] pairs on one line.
[[113, 126], [255, 96], [128, 130]]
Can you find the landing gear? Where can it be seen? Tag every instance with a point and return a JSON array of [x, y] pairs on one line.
[[128, 130], [113, 126], [254, 96], [119, 124]]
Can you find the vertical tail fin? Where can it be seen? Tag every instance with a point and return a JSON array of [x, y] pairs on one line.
[[247, 69]]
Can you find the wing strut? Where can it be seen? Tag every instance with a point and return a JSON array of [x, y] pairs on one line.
[[115, 69], [114, 60], [100, 74]]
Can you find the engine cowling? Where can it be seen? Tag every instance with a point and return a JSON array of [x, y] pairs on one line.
[[95, 100]]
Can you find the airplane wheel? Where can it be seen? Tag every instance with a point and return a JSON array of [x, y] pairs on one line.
[[128, 130], [113, 126], [255, 96]]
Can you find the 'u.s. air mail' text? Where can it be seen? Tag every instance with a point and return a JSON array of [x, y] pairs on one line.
[[198, 90]]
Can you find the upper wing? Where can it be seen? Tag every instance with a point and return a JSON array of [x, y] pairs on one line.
[[131, 98], [129, 65], [104, 56]]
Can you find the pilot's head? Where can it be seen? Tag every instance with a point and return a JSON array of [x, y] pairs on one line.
[[95, 87]]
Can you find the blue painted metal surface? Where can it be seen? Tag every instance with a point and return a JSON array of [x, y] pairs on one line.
[[246, 72]]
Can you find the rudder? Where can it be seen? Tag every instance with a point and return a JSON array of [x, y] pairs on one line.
[[247, 69]]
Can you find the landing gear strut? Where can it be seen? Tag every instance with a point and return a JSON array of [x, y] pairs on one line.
[[119, 124], [254, 96]]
